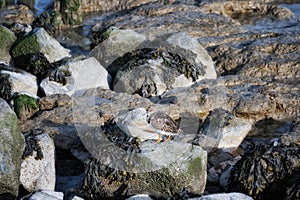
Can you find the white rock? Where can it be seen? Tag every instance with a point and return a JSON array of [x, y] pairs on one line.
[[40, 174], [50, 47], [185, 41], [85, 74], [22, 81], [227, 130], [11, 149], [224, 196], [140, 197], [47, 195], [118, 43]]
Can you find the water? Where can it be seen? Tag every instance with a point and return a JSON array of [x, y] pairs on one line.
[[266, 24], [38, 6], [42, 5]]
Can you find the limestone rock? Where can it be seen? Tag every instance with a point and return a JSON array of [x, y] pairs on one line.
[[268, 56], [117, 42], [224, 196], [239, 10], [47, 194], [227, 130], [153, 21], [17, 81], [35, 51], [166, 63], [102, 5], [11, 148], [16, 14], [84, 74], [176, 165], [7, 38], [245, 97], [39, 174]]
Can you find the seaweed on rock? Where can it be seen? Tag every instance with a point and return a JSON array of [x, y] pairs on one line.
[[32, 145], [264, 170], [97, 175], [170, 60], [25, 106]]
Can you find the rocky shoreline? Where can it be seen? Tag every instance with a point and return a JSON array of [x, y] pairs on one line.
[[77, 90]]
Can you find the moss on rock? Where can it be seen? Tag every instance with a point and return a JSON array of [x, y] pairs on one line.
[[195, 167], [7, 38], [2, 4], [25, 106], [71, 12], [26, 45], [11, 147]]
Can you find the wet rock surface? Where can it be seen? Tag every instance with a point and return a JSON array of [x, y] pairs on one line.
[[226, 73]]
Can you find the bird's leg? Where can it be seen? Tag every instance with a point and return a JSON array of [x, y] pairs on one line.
[[159, 139], [169, 138]]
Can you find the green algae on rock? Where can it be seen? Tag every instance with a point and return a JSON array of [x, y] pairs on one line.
[[36, 52], [2, 3], [25, 106], [7, 38], [11, 148], [71, 11]]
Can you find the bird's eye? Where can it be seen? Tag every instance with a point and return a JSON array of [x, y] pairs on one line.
[[148, 118]]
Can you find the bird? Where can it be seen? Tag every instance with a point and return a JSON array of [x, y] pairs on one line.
[[163, 124]]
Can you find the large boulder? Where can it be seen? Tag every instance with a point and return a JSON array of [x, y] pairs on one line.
[[11, 149], [38, 164], [7, 38], [82, 75], [36, 51], [160, 169], [153, 21], [16, 80], [156, 66]]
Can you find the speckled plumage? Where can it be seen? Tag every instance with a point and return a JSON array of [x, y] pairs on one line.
[[163, 124]]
